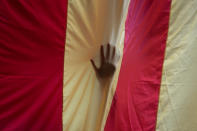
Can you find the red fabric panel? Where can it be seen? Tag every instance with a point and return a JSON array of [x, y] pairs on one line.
[[135, 103], [32, 40]]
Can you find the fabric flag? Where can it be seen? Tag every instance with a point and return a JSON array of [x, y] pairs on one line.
[[47, 82], [32, 39]]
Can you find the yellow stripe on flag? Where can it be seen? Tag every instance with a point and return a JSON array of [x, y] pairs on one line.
[[178, 94], [86, 101]]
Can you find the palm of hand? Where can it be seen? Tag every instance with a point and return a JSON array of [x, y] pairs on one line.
[[107, 67]]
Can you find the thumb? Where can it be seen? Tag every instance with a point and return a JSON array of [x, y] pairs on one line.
[[93, 64]]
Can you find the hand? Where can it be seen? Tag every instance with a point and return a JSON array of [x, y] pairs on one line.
[[107, 67]]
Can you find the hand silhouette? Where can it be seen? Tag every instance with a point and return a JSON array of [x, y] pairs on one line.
[[107, 67]]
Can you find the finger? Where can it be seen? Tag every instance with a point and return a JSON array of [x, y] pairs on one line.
[[108, 51], [102, 55], [93, 64], [113, 54]]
